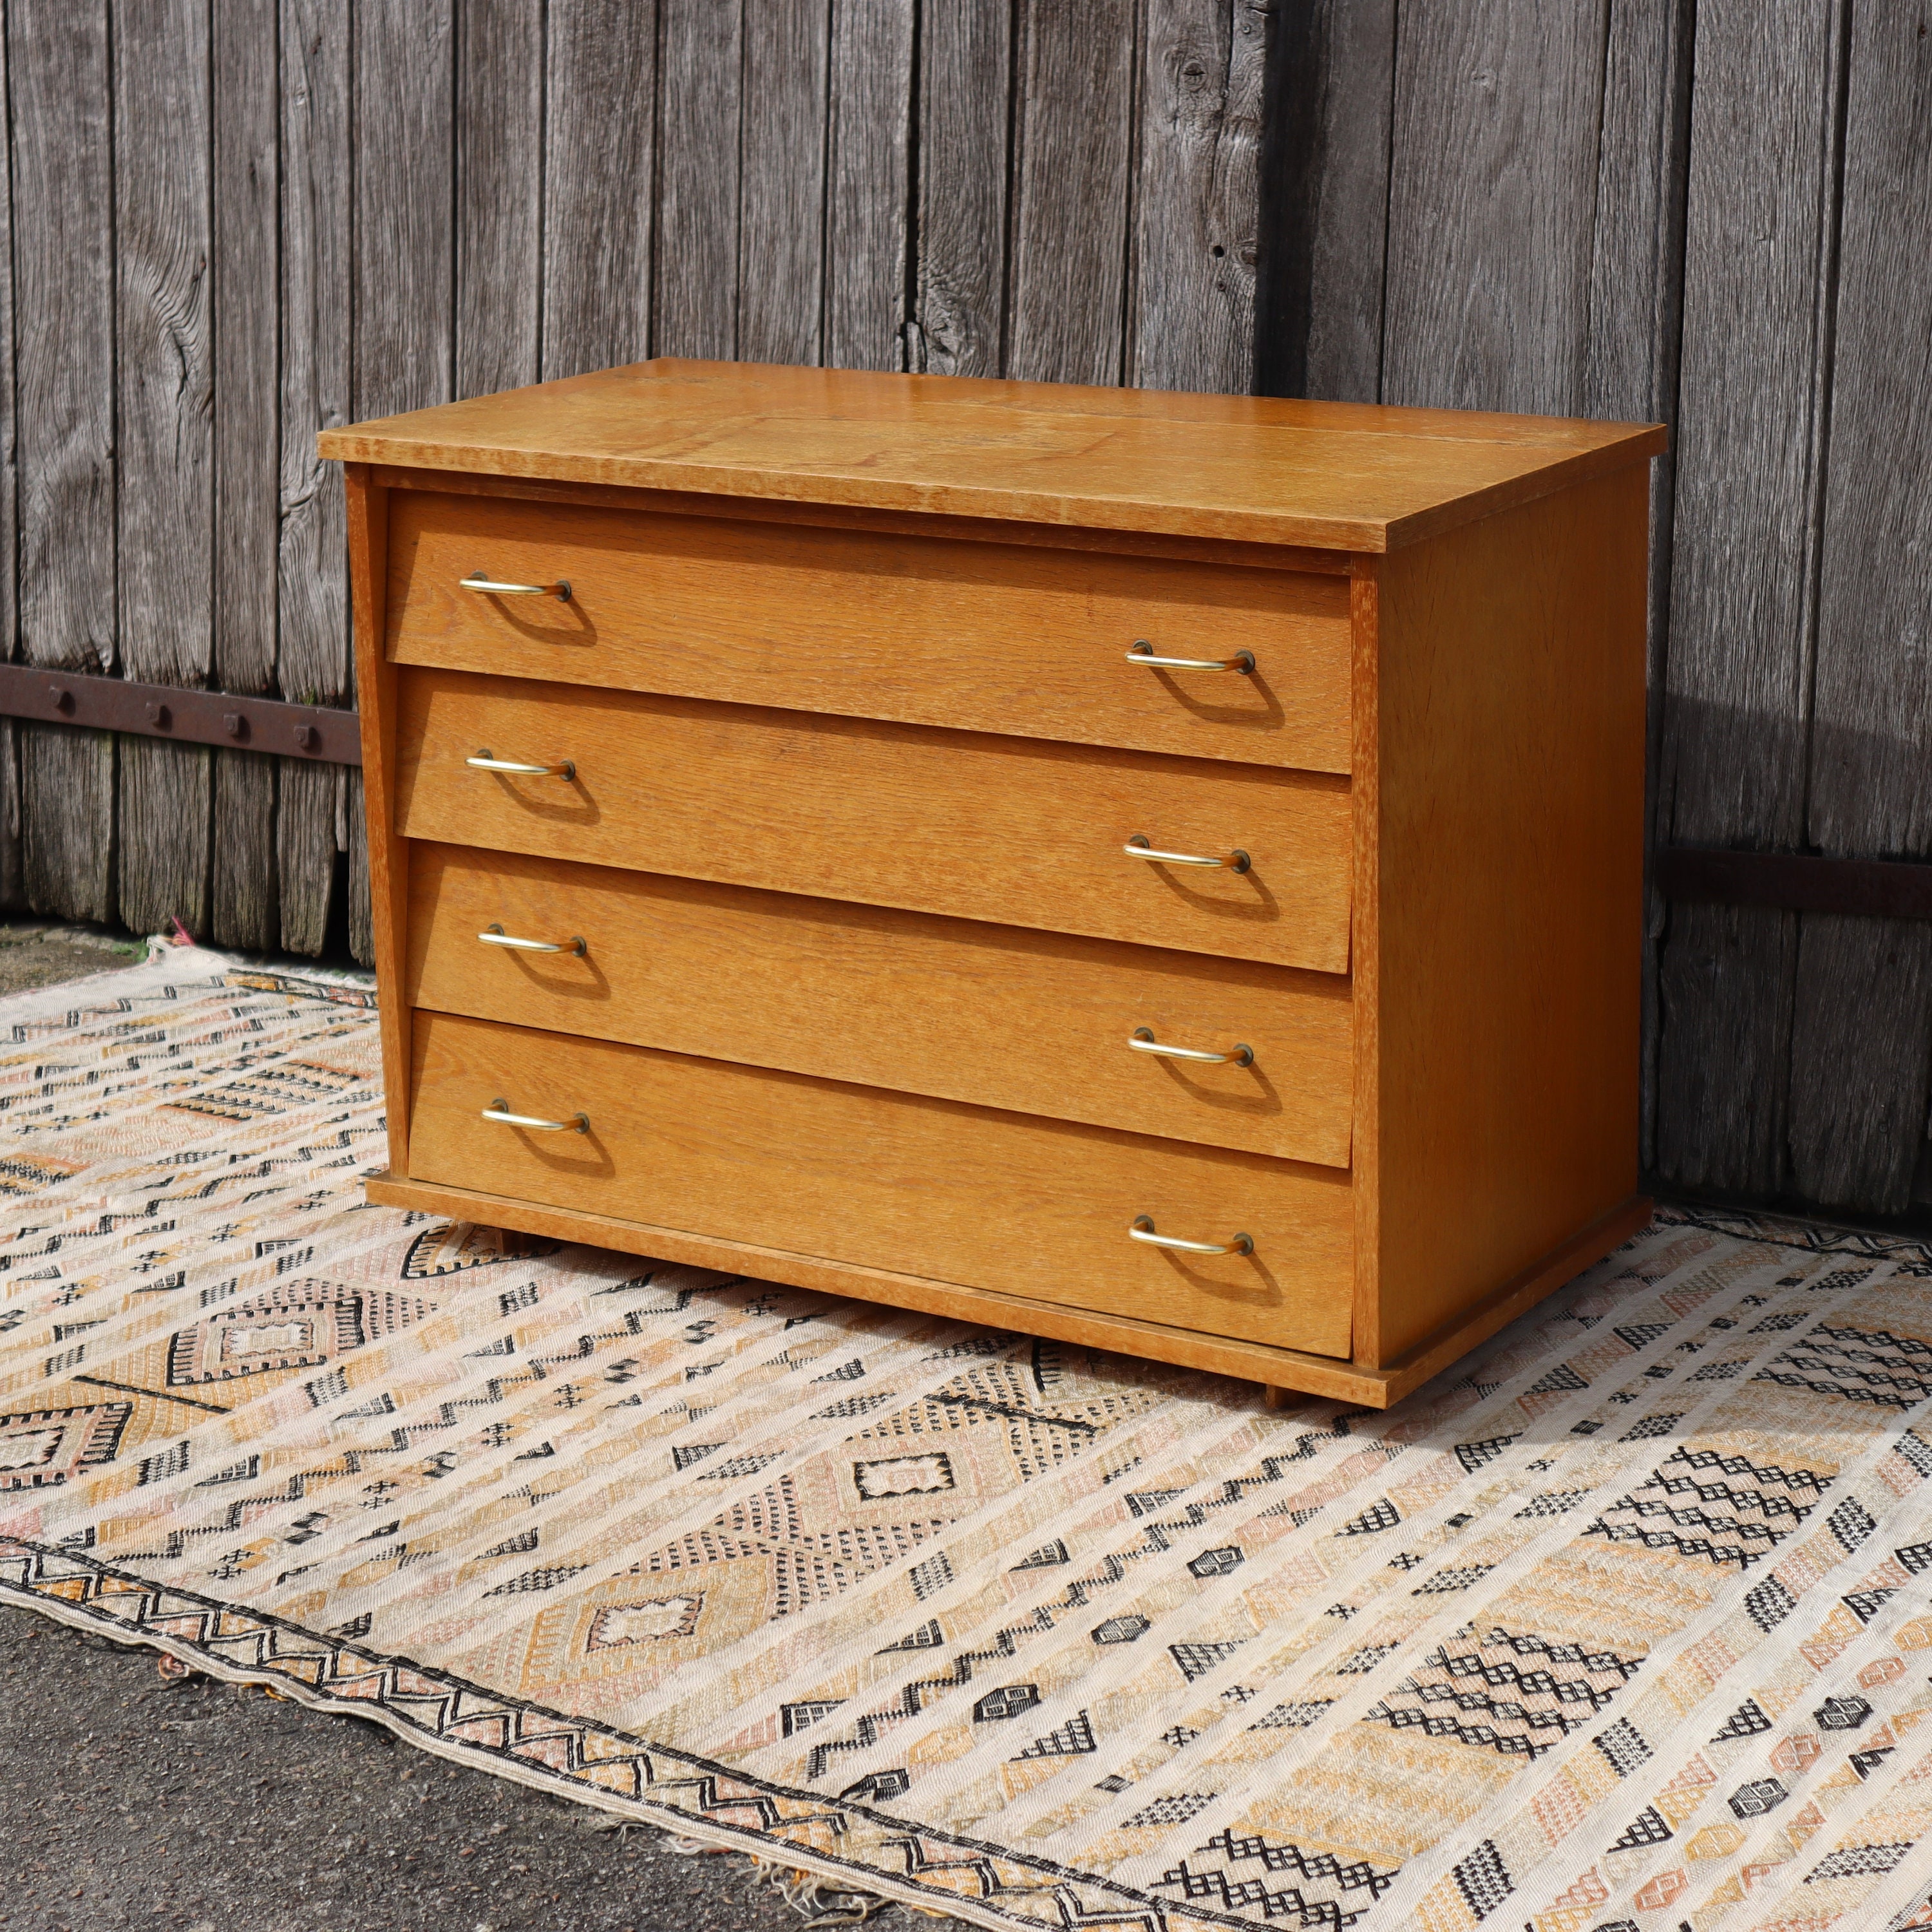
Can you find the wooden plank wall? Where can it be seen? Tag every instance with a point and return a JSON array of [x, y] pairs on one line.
[[231, 222], [1712, 212]]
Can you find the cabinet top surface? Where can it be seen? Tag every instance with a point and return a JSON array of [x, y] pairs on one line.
[[1328, 475]]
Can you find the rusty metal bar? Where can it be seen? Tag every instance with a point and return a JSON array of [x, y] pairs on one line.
[[316, 731], [1796, 882]]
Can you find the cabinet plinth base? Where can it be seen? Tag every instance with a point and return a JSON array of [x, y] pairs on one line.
[[1279, 1370]]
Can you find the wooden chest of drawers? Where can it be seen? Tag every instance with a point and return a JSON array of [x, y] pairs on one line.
[[1157, 871]]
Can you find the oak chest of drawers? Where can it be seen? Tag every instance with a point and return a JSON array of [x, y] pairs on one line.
[[1157, 871]]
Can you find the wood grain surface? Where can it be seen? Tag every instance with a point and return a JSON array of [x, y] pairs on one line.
[[1496, 108], [694, 309], [246, 456], [312, 588], [164, 366], [382, 900], [499, 171], [1505, 936], [1861, 1018], [1196, 210], [1031, 1022], [1031, 641], [781, 261], [62, 212], [1325, 165], [965, 80], [868, 182], [952, 822], [1743, 576], [1069, 172], [923, 1187], [600, 145], [1279, 472]]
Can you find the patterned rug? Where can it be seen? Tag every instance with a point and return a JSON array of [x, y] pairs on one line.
[[1623, 1624]]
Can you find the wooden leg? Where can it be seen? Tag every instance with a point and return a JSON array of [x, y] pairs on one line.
[[1274, 1398]]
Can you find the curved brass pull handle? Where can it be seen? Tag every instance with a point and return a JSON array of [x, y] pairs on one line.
[[500, 1110], [1143, 1230], [481, 580], [1137, 847], [497, 936], [1143, 1041], [1143, 653], [485, 762]]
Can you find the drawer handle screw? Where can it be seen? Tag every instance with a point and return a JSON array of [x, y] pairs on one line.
[[500, 1110], [1137, 847], [1143, 653], [482, 581], [1144, 1042], [1143, 1230], [497, 936], [485, 762]]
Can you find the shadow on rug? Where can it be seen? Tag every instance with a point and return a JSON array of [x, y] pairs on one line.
[[1622, 1623]]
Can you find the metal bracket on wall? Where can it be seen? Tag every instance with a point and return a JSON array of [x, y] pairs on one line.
[[1796, 882], [320, 732]]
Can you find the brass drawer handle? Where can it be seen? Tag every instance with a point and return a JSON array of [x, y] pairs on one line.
[[497, 936], [1142, 653], [484, 761], [481, 581], [1137, 847], [1143, 1230], [1144, 1042], [500, 1110]]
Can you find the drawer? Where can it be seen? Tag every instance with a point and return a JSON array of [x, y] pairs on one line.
[[925, 630], [919, 1187], [1036, 1023], [963, 823]]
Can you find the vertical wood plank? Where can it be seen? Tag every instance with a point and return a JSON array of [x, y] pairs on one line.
[[312, 581], [694, 292], [1490, 203], [781, 189], [64, 389], [1324, 200], [600, 131], [1197, 205], [164, 358], [403, 328], [1861, 1022], [499, 239], [869, 189], [1630, 371], [11, 891], [246, 455], [965, 108], [1069, 271], [1757, 246], [402, 128]]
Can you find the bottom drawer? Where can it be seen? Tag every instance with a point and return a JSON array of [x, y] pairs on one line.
[[924, 1187]]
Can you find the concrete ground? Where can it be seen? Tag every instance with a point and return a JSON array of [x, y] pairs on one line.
[[132, 1803]]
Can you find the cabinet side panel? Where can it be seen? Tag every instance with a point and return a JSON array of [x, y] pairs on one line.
[[1511, 855], [368, 514]]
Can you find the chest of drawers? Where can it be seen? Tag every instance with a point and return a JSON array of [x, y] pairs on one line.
[[1158, 871]]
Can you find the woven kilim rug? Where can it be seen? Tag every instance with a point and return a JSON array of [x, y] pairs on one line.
[[1623, 1624]]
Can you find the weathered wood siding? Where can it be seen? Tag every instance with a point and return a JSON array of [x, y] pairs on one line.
[[1717, 214], [232, 222]]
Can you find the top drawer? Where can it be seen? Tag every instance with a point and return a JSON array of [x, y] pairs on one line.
[[981, 637]]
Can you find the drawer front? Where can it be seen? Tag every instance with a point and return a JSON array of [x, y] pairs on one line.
[[923, 1187], [1037, 1023], [926, 630], [960, 823]]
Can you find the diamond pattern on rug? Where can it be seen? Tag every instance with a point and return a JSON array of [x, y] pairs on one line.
[[1621, 1623]]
